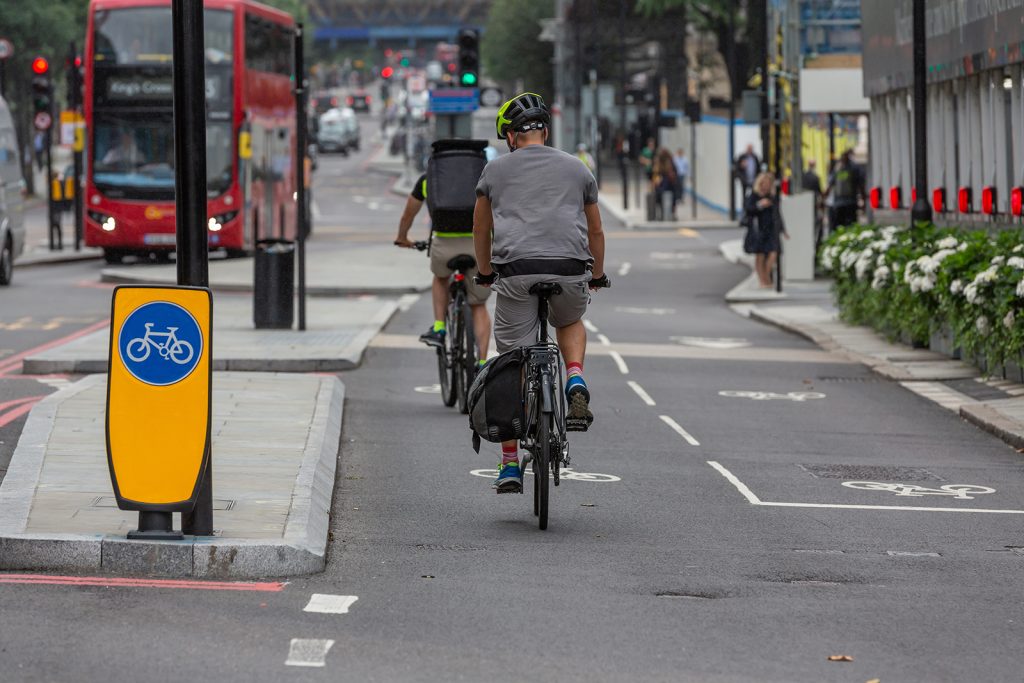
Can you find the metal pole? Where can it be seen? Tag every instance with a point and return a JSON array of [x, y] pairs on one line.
[[622, 108], [922, 210], [51, 214], [75, 101], [731, 56], [300, 168], [3, 76], [190, 195], [577, 96], [762, 23]]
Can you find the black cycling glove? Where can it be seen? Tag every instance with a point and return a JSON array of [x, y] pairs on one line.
[[601, 282], [485, 279]]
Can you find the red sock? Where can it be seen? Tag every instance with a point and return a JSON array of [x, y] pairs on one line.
[[509, 454], [573, 370]]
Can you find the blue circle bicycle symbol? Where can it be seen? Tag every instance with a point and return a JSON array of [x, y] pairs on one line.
[[160, 343]]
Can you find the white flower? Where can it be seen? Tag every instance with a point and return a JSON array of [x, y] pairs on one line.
[[962, 247], [982, 324], [1009, 320], [956, 286], [1019, 248], [1015, 262], [971, 294], [1020, 289], [947, 243], [881, 277], [998, 260]]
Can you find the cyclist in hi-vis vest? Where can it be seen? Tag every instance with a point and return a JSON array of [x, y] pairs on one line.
[[444, 246]]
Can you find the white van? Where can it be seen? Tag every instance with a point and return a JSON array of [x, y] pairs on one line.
[[12, 222]]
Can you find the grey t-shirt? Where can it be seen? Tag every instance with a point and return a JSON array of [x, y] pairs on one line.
[[537, 195]]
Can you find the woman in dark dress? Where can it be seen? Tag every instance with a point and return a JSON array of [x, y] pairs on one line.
[[764, 227]]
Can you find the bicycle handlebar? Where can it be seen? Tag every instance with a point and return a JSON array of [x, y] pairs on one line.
[[421, 245]]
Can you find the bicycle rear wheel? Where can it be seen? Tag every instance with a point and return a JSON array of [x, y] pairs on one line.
[[540, 473], [466, 361]]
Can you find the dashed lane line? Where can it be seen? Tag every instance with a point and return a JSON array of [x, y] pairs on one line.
[[644, 396], [679, 430], [623, 368], [605, 341], [309, 652], [591, 327], [323, 603], [740, 486], [625, 268]]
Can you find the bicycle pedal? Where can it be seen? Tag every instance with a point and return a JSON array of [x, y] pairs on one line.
[[577, 424], [509, 488]]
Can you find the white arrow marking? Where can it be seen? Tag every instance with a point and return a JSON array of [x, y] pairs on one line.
[[323, 603]]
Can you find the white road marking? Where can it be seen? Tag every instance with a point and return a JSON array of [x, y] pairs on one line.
[[323, 603], [591, 327], [623, 368], [373, 206], [308, 652], [905, 553], [671, 255], [56, 382], [624, 269], [644, 396], [429, 389], [797, 396], [407, 301], [605, 341], [563, 473], [740, 486], [712, 342], [679, 430], [958, 491], [636, 310], [754, 500]]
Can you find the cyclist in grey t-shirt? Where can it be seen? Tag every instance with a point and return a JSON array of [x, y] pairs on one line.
[[537, 220]]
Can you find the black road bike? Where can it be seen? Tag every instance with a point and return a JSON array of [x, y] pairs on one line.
[[457, 358], [544, 438]]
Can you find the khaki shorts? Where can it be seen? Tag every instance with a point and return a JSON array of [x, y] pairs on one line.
[[515, 311], [444, 249]]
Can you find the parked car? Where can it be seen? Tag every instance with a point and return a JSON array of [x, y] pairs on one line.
[[12, 222], [339, 131], [359, 100]]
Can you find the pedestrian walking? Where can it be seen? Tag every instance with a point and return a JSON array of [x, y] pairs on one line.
[[746, 168], [811, 182], [846, 188], [664, 181], [763, 220], [39, 144], [682, 173]]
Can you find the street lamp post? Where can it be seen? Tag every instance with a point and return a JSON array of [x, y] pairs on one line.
[[921, 210]]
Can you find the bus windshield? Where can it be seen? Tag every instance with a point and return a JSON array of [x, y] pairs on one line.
[[134, 156], [142, 36]]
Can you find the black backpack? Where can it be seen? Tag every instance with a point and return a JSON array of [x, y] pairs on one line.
[[496, 399], [452, 174]]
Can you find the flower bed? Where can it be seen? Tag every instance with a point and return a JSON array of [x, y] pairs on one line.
[[916, 283]]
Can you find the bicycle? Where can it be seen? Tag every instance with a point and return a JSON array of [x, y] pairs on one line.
[[172, 349], [544, 405], [457, 359]]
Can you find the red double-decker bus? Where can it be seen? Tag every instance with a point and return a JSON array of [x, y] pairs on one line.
[[250, 127]]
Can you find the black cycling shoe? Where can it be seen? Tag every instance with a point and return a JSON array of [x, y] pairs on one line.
[[579, 417], [433, 337]]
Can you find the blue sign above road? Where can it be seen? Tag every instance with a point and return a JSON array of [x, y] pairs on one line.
[[454, 100], [160, 343]]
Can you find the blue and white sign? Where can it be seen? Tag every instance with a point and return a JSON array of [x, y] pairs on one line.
[[454, 100], [160, 343]]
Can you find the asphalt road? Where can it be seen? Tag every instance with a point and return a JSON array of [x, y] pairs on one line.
[[657, 565]]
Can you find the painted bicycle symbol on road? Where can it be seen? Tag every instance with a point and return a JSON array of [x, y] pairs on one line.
[[564, 473], [160, 343], [957, 491], [797, 396], [172, 348]]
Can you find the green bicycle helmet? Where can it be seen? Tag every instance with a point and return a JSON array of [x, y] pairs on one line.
[[523, 112]]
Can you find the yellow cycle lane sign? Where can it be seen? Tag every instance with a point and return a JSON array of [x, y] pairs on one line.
[[158, 396]]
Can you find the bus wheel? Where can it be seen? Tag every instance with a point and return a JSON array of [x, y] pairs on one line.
[[113, 256]]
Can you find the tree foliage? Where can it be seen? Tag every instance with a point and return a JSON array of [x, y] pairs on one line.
[[510, 47]]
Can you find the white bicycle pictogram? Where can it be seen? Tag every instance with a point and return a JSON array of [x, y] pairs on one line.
[[957, 491], [564, 473], [172, 348]]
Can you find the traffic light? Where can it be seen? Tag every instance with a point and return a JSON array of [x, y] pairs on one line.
[[42, 90], [387, 72], [469, 57]]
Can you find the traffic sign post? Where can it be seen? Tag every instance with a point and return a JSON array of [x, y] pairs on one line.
[[158, 402], [454, 100]]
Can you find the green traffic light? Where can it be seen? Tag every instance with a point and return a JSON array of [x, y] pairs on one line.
[[469, 78], [405, 61]]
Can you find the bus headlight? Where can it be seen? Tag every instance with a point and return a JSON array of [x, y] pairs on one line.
[[216, 224], [109, 224], [106, 222]]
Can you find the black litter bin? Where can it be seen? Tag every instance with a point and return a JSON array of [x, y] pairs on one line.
[[274, 286]]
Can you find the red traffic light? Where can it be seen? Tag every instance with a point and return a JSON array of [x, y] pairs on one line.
[[40, 66], [387, 72]]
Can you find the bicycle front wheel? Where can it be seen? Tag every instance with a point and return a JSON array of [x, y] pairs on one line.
[[540, 470], [445, 378], [466, 362]]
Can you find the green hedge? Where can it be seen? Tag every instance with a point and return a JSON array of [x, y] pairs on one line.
[[913, 282]]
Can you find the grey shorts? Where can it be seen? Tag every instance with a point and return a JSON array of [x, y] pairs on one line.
[[442, 250], [515, 310]]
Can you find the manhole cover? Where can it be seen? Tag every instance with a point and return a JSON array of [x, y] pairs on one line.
[[867, 378], [870, 472]]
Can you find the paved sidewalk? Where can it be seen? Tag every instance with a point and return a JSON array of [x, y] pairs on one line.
[[332, 269], [338, 332], [37, 241], [275, 446]]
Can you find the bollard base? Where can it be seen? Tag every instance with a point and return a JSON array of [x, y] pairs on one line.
[[155, 526]]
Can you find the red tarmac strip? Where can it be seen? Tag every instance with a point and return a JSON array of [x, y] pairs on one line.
[[18, 401], [13, 414], [11, 362], [113, 582]]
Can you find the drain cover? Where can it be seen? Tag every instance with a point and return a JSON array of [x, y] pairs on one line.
[[864, 378], [870, 472]]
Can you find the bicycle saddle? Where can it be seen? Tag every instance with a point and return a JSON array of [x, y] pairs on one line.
[[546, 289], [462, 262]]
